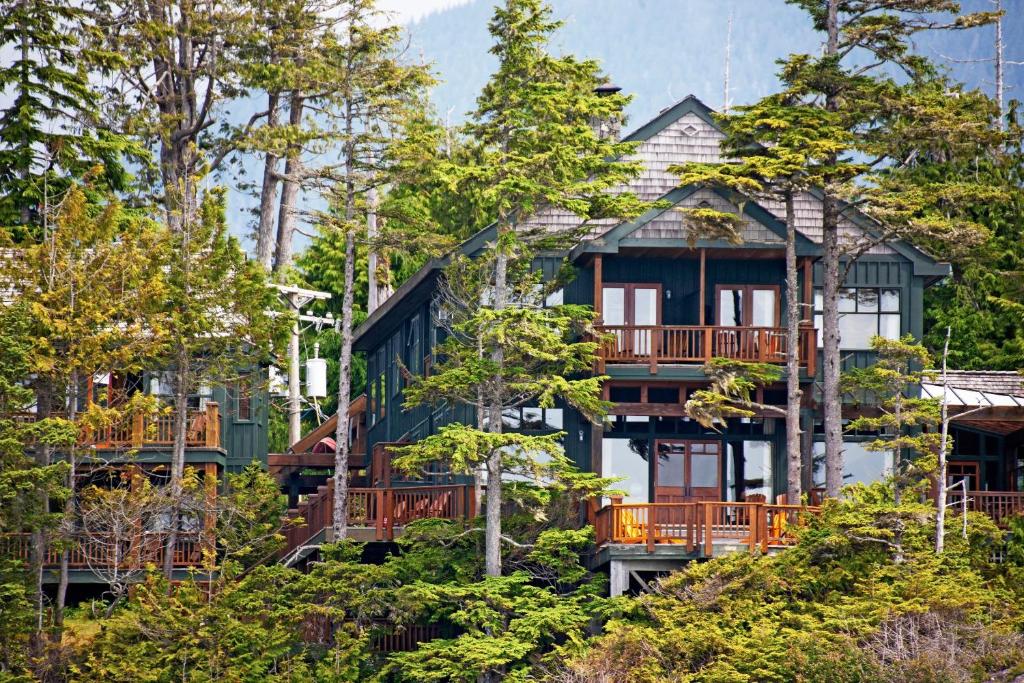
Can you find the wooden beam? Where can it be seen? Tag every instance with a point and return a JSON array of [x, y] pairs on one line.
[[598, 286], [703, 271], [808, 292]]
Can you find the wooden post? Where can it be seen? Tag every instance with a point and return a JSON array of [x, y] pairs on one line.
[[138, 429], [709, 548], [709, 333], [650, 528], [598, 287], [378, 496], [212, 425], [389, 508], [755, 512], [703, 271]]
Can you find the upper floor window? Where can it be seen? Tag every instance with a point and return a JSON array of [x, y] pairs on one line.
[[748, 305], [243, 399], [864, 312]]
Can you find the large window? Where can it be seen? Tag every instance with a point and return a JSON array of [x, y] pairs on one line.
[[748, 469], [627, 459], [748, 306], [859, 464], [864, 312]]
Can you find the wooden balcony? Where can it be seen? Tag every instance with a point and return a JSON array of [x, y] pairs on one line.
[[999, 505], [700, 526], [656, 345], [379, 513], [96, 552], [202, 430]]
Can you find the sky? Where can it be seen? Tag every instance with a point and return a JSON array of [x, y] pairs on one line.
[[411, 10]]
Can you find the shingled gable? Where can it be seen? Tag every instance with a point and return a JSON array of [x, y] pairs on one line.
[[685, 131]]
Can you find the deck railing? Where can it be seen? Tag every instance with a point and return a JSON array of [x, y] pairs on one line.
[[202, 430], [656, 344], [99, 551], [381, 509], [999, 505], [699, 525]]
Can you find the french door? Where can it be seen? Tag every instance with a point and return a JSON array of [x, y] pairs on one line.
[[748, 306], [632, 305], [687, 471]]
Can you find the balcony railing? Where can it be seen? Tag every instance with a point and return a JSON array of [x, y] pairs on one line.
[[98, 551], [380, 509], [999, 505], [667, 344], [202, 430], [698, 526]]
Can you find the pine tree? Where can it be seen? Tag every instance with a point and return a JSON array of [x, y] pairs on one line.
[[50, 132], [535, 146], [219, 322], [892, 121], [780, 150]]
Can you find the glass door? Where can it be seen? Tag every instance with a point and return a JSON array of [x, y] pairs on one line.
[[688, 471], [625, 306]]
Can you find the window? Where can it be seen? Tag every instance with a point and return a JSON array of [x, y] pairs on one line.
[[748, 469], [627, 459], [859, 464], [864, 312], [243, 399], [748, 306]]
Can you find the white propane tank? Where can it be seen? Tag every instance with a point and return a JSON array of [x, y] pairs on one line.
[[278, 384], [316, 375]]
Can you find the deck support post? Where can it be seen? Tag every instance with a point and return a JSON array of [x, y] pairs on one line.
[[703, 273], [618, 577]]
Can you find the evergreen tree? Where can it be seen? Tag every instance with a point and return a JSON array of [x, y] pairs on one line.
[[781, 149], [893, 122], [220, 324], [535, 146], [92, 284], [50, 132]]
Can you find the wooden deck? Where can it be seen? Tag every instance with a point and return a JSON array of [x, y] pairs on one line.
[[698, 526], [96, 551], [999, 505], [380, 513], [680, 344]]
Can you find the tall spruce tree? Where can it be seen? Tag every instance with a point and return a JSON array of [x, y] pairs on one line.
[[536, 146], [866, 42], [219, 322], [778, 150], [372, 89], [50, 132]]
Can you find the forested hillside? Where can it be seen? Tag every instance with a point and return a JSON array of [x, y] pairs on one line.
[[661, 50]]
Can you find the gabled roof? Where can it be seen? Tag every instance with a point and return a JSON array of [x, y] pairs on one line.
[[690, 104], [620, 235]]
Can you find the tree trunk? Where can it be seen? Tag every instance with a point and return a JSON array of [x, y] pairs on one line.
[[373, 293], [940, 477], [43, 456], [340, 521], [492, 532], [793, 392], [1000, 97], [181, 385], [287, 216], [268, 194], [69, 513], [831, 397], [344, 390]]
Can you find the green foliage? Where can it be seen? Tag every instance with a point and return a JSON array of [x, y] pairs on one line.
[[50, 133], [249, 514], [730, 392], [907, 426], [834, 607]]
